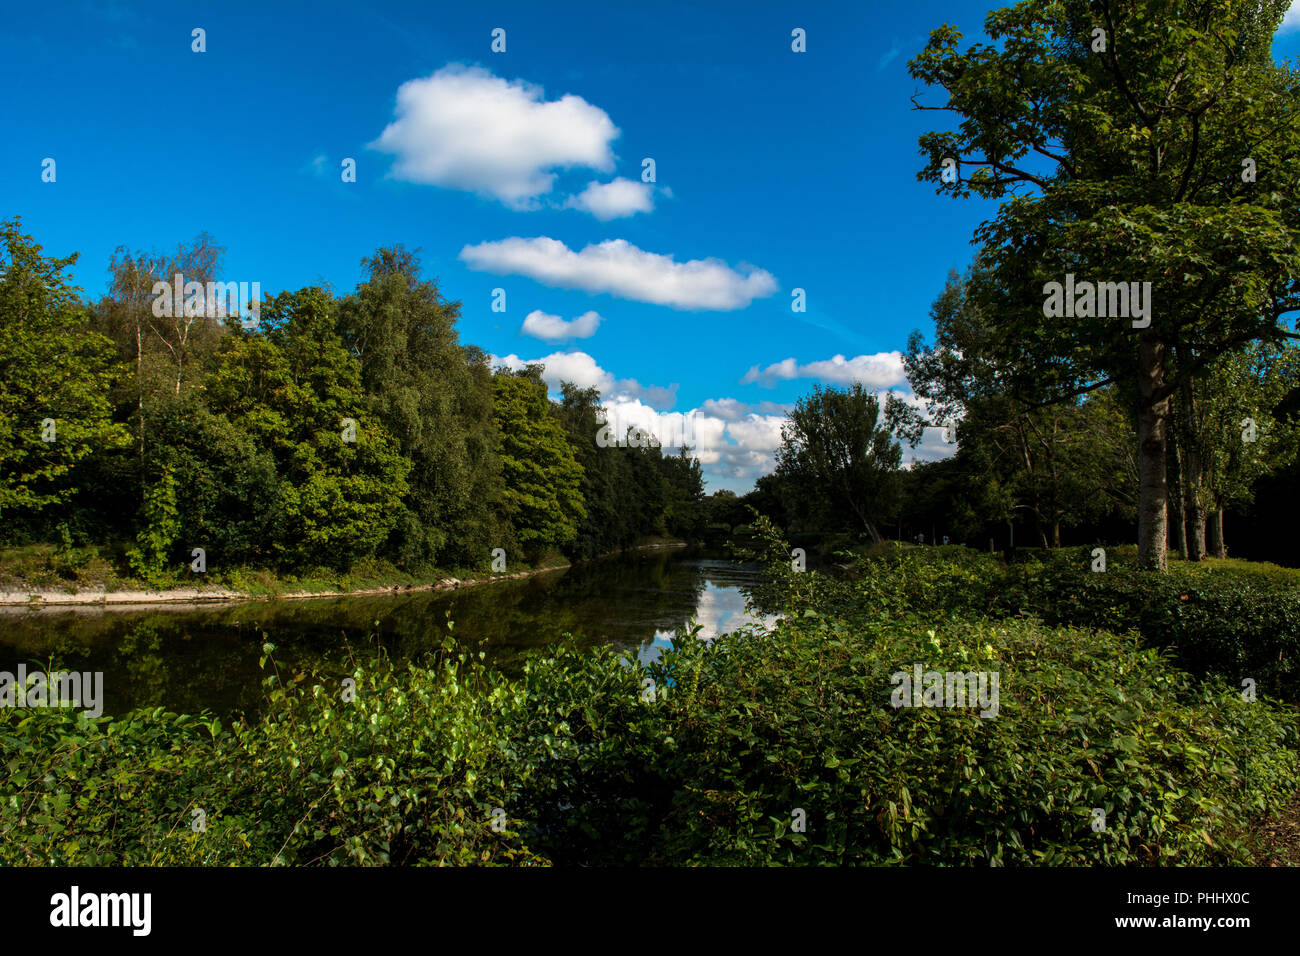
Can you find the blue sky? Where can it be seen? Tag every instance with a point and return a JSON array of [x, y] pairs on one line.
[[522, 170]]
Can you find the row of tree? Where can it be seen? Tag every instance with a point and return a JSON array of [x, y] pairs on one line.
[[329, 430], [1043, 466]]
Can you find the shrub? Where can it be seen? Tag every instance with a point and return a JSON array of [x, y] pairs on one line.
[[740, 733], [1220, 620]]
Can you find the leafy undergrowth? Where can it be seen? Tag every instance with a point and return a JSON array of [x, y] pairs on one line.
[[1220, 620], [786, 746], [755, 749]]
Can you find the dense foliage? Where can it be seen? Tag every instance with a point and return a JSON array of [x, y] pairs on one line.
[[1114, 136], [315, 432], [758, 747]]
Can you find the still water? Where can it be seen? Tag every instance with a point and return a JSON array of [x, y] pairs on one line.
[[188, 659]]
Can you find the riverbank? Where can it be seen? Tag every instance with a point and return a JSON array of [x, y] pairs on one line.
[[270, 587]]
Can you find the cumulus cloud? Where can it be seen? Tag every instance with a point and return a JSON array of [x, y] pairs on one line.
[[621, 269], [1291, 20], [727, 408], [616, 200], [735, 442], [735, 451], [760, 433], [552, 328], [732, 408], [583, 371], [881, 370], [465, 128]]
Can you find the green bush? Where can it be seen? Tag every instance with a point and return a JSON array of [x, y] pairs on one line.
[[802, 719], [406, 772], [780, 747], [587, 769], [1220, 620]]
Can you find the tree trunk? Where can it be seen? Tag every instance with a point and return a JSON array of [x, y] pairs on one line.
[[1179, 508], [139, 396], [871, 528], [1193, 480], [1196, 512], [1197, 519], [1216, 545], [1153, 422]]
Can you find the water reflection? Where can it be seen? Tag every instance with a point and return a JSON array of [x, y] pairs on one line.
[[719, 609], [189, 659]]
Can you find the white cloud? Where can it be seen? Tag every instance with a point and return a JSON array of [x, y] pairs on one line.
[[757, 432], [621, 269], [727, 408], [736, 451], [581, 369], [1291, 21], [552, 328], [465, 128], [734, 441], [733, 408], [616, 200], [881, 370], [576, 367]]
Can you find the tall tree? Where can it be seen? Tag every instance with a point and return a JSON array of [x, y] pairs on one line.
[[1231, 435], [543, 480], [836, 443], [608, 492], [296, 391], [1058, 464], [436, 397], [54, 377], [1156, 142], [161, 349]]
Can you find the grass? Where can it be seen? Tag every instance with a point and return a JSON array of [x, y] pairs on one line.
[[48, 567]]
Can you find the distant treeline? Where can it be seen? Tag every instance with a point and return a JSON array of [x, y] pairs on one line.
[[1038, 472], [333, 429]]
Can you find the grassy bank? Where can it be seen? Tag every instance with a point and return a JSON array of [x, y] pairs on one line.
[[50, 570]]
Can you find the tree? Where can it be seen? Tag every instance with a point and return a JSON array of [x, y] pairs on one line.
[[231, 503], [724, 507], [1058, 464], [296, 391], [161, 349], [834, 444], [1132, 145], [684, 485], [608, 491], [54, 378], [543, 480], [1230, 436], [436, 397]]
